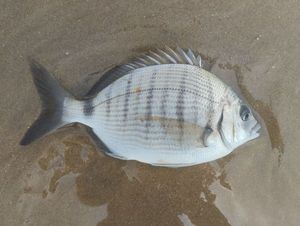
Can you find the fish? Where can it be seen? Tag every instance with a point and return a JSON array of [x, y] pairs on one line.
[[161, 108]]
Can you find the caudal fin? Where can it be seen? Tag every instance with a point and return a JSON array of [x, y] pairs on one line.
[[52, 96]]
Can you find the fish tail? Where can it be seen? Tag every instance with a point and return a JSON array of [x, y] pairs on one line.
[[52, 96]]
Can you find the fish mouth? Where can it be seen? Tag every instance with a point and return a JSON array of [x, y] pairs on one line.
[[255, 131]]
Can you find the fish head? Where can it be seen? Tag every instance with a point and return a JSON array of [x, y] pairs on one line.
[[237, 124]]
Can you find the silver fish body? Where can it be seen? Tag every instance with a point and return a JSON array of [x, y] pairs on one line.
[[164, 112]]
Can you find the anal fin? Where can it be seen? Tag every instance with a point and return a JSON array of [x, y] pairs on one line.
[[100, 144], [97, 140]]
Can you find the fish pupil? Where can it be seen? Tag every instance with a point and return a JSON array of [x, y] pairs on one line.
[[244, 113]]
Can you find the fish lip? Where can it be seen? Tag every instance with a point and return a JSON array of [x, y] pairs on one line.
[[255, 130]]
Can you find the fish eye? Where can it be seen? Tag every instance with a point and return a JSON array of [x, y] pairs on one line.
[[244, 113]]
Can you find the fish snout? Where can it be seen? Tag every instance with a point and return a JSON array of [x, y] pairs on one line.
[[255, 131]]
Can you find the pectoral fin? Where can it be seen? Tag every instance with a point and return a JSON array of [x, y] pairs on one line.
[[206, 133]]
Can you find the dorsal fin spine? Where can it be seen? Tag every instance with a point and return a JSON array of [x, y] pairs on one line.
[[184, 56], [171, 59]]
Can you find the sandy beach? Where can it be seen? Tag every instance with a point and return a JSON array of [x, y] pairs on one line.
[[64, 179]]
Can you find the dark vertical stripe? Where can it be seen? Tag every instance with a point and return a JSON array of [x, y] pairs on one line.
[[162, 107], [149, 104], [138, 92], [180, 106], [108, 102], [127, 96], [210, 109], [88, 107], [195, 108]]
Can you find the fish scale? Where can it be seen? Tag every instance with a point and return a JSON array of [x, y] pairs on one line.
[[178, 106], [160, 84], [200, 83]]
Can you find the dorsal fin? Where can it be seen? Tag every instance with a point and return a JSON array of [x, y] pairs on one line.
[[166, 55]]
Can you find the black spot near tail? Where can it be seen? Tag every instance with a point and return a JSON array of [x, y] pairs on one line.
[[88, 107]]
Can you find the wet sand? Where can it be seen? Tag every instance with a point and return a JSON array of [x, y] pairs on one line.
[[63, 179]]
